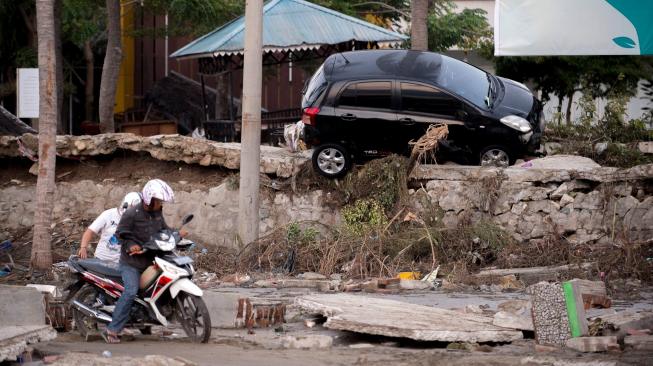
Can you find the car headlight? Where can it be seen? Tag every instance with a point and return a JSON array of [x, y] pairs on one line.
[[517, 123]]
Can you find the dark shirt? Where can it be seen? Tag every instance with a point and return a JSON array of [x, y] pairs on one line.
[[137, 227]]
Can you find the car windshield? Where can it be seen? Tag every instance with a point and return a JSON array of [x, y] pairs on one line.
[[466, 80], [315, 87]]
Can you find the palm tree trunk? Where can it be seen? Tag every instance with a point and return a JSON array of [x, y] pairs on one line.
[[418, 31], [48, 117], [90, 80], [111, 67], [569, 104], [61, 123]]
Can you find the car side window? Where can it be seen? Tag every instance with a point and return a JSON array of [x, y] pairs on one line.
[[425, 99], [369, 94]]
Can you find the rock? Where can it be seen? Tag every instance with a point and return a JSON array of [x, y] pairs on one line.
[[646, 147], [312, 276], [600, 147], [361, 345], [307, 342], [564, 162], [34, 169], [639, 342], [541, 348], [552, 148], [510, 282], [515, 306], [593, 344], [565, 200], [590, 201]]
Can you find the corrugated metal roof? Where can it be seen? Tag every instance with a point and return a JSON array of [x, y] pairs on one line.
[[289, 25]]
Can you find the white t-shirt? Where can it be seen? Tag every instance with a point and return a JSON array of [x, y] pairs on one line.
[[108, 248]]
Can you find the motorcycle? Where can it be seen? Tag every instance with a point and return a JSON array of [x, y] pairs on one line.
[[166, 293]]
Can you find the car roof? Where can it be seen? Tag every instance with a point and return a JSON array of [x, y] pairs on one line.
[[383, 63]]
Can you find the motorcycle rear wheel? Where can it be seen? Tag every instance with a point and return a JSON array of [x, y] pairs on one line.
[[194, 317], [86, 325]]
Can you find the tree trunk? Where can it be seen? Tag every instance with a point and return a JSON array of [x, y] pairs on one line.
[[569, 103], [559, 117], [61, 123], [418, 31], [222, 96], [48, 102], [111, 67], [90, 80]]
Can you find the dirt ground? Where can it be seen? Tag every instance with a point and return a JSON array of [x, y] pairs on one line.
[[126, 167], [235, 351]]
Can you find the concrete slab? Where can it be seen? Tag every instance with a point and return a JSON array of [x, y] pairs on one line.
[[14, 339], [21, 305], [391, 318]]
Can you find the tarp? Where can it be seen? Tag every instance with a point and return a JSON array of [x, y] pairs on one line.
[[573, 27]]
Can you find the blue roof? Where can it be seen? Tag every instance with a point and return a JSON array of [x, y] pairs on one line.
[[289, 25]]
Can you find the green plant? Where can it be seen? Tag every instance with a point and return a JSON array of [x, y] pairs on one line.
[[363, 216]]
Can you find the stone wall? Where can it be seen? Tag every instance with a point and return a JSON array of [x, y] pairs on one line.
[[583, 202], [215, 209]]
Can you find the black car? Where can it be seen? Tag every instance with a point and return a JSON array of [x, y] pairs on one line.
[[365, 104]]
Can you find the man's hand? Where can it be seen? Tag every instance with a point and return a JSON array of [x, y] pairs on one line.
[[82, 253], [183, 233], [135, 250]]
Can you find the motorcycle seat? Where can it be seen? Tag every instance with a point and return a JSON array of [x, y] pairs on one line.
[[99, 266]]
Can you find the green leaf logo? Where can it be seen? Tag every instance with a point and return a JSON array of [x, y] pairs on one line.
[[624, 42]]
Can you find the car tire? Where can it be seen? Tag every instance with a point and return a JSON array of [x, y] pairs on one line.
[[496, 156], [331, 160]]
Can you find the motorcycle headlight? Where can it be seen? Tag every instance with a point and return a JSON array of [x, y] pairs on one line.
[[517, 123]]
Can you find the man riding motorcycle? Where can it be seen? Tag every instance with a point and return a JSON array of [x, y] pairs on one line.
[[137, 225]]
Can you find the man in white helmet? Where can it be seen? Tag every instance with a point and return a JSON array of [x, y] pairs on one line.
[[137, 225], [105, 225]]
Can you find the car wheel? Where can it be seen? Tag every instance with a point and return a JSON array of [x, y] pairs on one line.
[[496, 156], [331, 160]]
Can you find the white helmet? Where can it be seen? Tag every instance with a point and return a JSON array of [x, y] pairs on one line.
[[131, 199], [156, 188]]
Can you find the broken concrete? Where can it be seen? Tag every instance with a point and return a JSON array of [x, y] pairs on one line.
[[640, 342], [593, 344], [21, 305], [14, 339], [313, 341], [550, 320], [274, 160], [505, 319], [399, 319]]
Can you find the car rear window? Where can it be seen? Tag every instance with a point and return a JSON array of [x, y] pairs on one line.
[[369, 94], [315, 87]]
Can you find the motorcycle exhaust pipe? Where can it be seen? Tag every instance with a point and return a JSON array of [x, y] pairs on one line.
[[90, 312]]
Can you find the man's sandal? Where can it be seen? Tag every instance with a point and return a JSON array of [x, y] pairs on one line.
[[109, 337]]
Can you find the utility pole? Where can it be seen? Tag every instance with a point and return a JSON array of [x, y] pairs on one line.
[[250, 154]]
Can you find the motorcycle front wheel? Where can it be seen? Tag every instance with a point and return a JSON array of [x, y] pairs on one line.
[[194, 317]]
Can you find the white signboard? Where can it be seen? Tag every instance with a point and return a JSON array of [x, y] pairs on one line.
[[28, 93], [573, 27]]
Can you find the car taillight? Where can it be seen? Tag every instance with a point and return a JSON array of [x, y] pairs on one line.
[[309, 115]]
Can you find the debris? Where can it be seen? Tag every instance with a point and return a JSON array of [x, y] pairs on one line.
[[593, 344], [398, 319], [550, 320], [510, 282], [314, 341], [361, 345], [575, 309], [515, 306], [640, 342], [415, 285], [541, 348], [409, 275], [515, 321], [594, 293], [311, 276], [236, 278], [532, 270], [261, 314], [59, 176], [476, 309]]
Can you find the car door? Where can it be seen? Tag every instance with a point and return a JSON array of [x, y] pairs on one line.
[[422, 105], [364, 114]]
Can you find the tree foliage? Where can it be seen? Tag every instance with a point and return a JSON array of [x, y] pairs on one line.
[[467, 29]]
